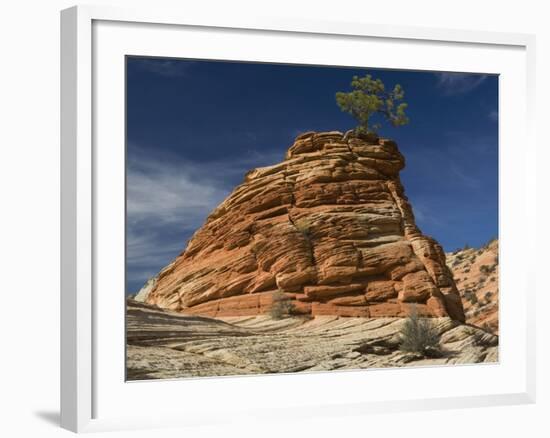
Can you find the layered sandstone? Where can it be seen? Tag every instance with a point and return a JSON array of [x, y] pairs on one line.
[[476, 274], [167, 345], [330, 226]]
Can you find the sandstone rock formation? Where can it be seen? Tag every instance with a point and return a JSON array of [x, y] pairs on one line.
[[330, 226], [476, 274], [164, 344]]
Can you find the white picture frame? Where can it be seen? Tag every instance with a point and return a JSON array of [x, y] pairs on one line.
[[85, 403]]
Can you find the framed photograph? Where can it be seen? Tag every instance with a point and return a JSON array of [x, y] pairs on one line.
[[283, 217]]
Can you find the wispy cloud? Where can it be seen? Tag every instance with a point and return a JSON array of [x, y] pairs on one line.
[[164, 67], [166, 202], [168, 193], [148, 250], [419, 214], [477, 147], [424, 216], [458, 83], [464, 178], [493, 115], [169, 198]]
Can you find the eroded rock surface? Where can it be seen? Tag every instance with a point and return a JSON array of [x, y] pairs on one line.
[[164, 344], [330, 226], [476, 274]]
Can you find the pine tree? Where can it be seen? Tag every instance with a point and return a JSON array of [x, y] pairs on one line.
[[368, 98]]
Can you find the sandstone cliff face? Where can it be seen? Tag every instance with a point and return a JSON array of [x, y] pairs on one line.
[[476, 274], [329, 226]]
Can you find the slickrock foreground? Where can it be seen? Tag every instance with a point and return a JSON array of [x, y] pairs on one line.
[[476, 273], [165, 344], [329, 226]]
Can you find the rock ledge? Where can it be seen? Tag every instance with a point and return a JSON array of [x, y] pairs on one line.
[[330, 226]]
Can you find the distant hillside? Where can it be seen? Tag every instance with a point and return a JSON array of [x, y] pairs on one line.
[[476, 274]]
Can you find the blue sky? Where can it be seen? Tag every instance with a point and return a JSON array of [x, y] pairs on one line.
[[194, 128]]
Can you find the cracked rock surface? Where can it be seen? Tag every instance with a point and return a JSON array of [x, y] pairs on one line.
[[163, 344]]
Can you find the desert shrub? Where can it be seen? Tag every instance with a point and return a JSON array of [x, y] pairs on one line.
[[488, 296], [490, 241], [418, 335], [282, 306], [484, 269], [470, 296], [466, 270], [303, 226], [254, 249]]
